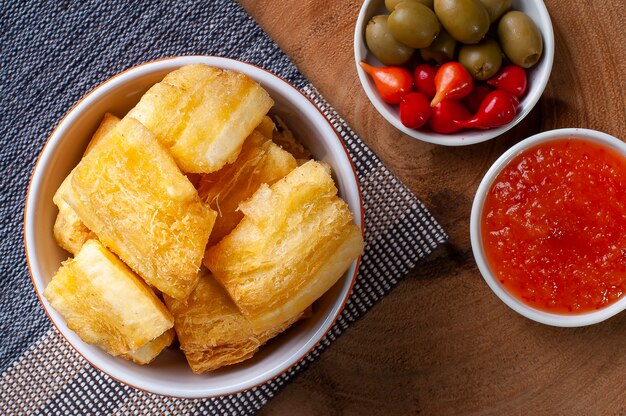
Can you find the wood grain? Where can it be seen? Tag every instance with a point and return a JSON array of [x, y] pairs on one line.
[[442, 343]]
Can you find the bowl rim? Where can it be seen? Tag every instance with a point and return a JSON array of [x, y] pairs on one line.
[[460, 138], [553, 319], [120, 78]]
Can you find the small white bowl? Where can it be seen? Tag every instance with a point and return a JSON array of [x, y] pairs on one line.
[[476, 232], [169, 374], [537, 76]]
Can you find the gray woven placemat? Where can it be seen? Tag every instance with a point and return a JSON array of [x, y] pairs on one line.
[[52, 54]]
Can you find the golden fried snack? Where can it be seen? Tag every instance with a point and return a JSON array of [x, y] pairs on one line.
[[283, 137], [260, 161], [203, 115], [69, 230], [105, 303], [266, 127], [130, 193], [296, 239], [148, 352], [108, 123], [211, 330]]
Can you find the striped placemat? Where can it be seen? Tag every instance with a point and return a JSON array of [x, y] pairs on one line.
[[52, 54]]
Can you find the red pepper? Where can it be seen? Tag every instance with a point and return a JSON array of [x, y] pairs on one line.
[[497, 109], [425, 80], [478, 94], [453, 82], [511, 78], [414, 110], [392, 82], [442, 119]]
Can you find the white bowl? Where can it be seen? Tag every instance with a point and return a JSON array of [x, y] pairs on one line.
[[170, 374], [537, 76], [476, 232]]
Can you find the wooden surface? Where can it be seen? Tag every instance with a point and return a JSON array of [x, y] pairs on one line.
[[442, 343]]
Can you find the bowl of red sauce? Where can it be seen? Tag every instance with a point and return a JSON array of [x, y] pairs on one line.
[[548, 227]]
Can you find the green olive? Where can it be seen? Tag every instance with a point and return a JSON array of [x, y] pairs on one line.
[[441, 50], [383, 45], [465, 20], [414, 24], [520, 39], [483, 60], [496, 8], [391, 4]]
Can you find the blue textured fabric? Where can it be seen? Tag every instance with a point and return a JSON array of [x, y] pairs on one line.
[[51, 55]]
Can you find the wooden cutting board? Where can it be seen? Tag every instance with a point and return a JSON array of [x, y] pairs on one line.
[[442, 343]]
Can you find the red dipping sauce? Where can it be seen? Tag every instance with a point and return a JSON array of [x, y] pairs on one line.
[[554, 226]]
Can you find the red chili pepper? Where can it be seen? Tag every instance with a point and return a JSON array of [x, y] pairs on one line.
[[414, 110], [453, 82], [442, 119], [497, 109], [425, 80], [392, 82], [478, 94], [511, 78]]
